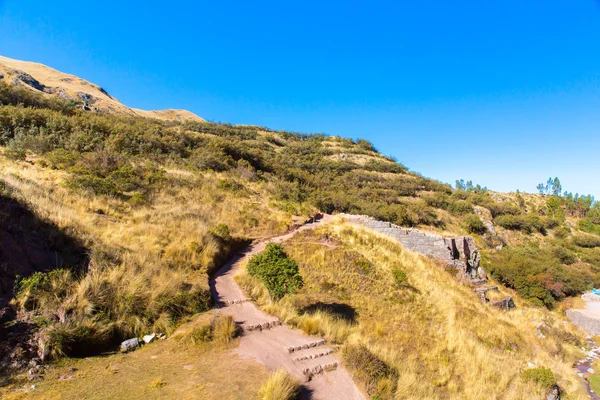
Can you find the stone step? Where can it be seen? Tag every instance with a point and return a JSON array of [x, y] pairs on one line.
[[259, 326], [312, 353], [232, 302], [318, 366], [305, 346], [478, 282]]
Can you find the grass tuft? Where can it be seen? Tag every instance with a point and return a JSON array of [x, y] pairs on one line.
[[279, 386]]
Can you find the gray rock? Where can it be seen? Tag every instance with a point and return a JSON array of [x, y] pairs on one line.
[[149, 338], [506, 304], [129, 345], [554, 393]]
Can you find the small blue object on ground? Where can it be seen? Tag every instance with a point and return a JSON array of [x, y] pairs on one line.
[[596, 291]]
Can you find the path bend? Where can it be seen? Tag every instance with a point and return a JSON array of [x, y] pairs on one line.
[[276, 346]]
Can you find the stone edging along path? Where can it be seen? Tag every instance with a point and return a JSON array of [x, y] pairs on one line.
[[276, 346]]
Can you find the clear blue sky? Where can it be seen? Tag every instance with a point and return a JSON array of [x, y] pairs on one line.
[[505, 93]]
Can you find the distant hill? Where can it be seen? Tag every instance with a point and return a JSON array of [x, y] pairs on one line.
[[40, 78]]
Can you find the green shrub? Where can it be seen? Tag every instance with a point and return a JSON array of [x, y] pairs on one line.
[[202, 334], [562, 232], [542, 376], [586, 241], [365, 144], [42, 289], [460, 208], [230, 186], [61, 158], [537, 273], [221, 232], [400, 278], [564, 255], [527, 223], [137, 199], [474, 225], [183, 303], [276, 270]]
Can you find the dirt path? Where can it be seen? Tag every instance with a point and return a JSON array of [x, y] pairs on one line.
[[274, 345], [587, 319]]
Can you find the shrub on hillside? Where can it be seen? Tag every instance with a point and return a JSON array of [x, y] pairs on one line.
[[276, 270], [562, 232], [400, 278], [42, 290], [538, 274], [527, 223], [474, 225], [542, 376], [497, 208], [586, 241]]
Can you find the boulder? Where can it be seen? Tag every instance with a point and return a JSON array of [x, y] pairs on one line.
[[149, 338], [129, 345], [505, 304], [554, 393]]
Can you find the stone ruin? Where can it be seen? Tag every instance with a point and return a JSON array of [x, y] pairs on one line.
[[460, 252]]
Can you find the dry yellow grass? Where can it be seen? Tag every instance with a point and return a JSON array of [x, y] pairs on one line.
[[279, 386], [164, 369], [159, 250], [436, 333]]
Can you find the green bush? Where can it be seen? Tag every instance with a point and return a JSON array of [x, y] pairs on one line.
[[400, 278], [562, 232], [183, 303], [460, 208], [586, 241], [202, 334], [527, 223], [276, 270], [542, 376], [474, 225], [42, 289], [538, 273]]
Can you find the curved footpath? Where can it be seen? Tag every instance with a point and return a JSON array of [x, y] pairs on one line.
[[276, 346]]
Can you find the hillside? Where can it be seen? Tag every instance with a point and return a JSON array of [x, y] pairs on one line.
[[42, 79], [125, 218]]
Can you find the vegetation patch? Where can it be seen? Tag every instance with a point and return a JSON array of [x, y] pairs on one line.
[[276, 270], [279, 386], [542, 376]]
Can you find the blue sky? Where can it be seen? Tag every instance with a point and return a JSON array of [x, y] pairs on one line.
[[503, 93]]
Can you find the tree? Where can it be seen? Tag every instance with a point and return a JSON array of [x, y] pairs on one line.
[[541, 188], [556, 187]]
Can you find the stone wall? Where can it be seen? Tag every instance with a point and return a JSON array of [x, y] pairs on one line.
[[459, 252]]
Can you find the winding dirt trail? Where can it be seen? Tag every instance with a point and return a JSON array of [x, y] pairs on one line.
[[274, 345]]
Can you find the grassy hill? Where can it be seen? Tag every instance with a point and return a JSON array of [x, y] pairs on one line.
[[50, 82], [159, 204]]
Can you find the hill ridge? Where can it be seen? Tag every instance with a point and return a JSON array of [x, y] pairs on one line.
[[41, 78]]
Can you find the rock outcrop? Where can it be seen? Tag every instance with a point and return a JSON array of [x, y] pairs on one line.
[[460, 251]]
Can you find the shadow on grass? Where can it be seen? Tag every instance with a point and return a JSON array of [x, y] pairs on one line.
[[340, 310], [28, 244]]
